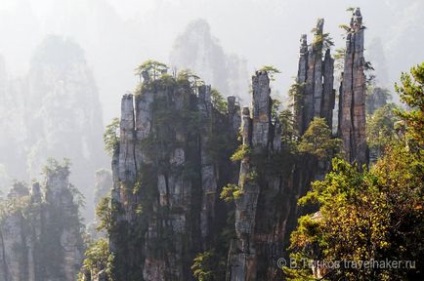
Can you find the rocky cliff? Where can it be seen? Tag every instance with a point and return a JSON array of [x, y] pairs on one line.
[[180, 209], [261, 190], [352, 94], [172, 158], [40, 230], [315, 97], [169, 167]]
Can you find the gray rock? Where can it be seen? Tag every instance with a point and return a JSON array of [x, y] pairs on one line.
[[315, 78], [352, 95]]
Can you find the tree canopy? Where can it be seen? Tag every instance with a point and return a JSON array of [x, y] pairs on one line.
[[369, 220]]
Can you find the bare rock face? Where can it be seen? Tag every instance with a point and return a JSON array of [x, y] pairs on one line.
[[262, 211], [62, 214], [300, 99], [127, 159], [172, 162], [329, 94], [261, 105], [243, 254], [234, 113], [315, 81], [352, 94], [314, 85], [167, 169], [40, 232], [13, 268]]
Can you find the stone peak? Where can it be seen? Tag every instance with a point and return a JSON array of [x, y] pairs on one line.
[[261, 73], [320, 25], [303, 44], [356, 21]]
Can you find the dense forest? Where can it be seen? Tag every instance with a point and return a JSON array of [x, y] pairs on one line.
[[327, 187]]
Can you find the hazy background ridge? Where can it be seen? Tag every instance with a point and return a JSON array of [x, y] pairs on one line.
[[117, 35]]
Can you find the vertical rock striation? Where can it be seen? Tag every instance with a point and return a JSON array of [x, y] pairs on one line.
[[261, 110], [352, 94], [40, 232], [172, 162], [264, 204], [243, 253], [300, 100], [329, 94], [172, 156], [315, 97]]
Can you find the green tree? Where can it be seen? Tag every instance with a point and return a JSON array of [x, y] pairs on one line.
[[207, 266], [151, 70], [290, 132], [380, 128], [218, 101], [271, 70], [373, 215], [110, 136], [188, 75], [104, 214], [411, 91], [97, 258], [230, 192], [321, 41], [317, 140]]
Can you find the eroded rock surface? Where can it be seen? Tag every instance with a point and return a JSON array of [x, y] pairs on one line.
[[40, 230], [352, 95]]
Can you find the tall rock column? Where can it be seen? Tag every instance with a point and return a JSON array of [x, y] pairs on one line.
[[234, 113], [315, 96], [61, 226], [329, 93], [261, 105], [40, 231], [242, 253], [299, 98], [260, 184], [208, 173], [127, 160], [315, 68], [352, 94], [167, 170]]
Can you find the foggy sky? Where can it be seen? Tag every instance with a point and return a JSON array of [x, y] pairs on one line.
[[117, 35]]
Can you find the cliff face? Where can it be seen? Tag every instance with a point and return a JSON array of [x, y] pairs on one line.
[[173, 155], [40, 230], [352, 94], [260, 191], [315, 79], [172, 161], [271, 178], [316, 97], [169, 167]]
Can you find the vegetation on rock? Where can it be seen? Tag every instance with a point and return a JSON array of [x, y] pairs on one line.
[[374, 216]]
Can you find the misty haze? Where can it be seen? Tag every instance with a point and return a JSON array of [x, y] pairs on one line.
[[211, 140]]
